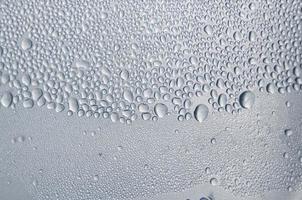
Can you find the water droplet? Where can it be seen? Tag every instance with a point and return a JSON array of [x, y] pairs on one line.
[[26, 44], [252, 36], [73, 104], [247, 99], [201, 112], [214, 181], [288, 132], [208, 29], [96, 178], [20, 138], [6, 99], [270, 88], [160, 110], [128, 95], [28, 103], [285, 155], [222, 100]]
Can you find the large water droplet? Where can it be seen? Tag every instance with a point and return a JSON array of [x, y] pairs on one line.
[[201, 112], [26, 44], [6, 99], [73, 104], [128, 95], [160, 110], [208, 29], [247, 99]]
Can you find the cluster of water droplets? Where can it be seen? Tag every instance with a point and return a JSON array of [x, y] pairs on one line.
[[145, 59]]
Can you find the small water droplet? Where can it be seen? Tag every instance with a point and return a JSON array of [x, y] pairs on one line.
[[214, 181]]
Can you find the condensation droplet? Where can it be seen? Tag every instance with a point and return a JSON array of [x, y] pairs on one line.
[[160, 110], [247, 99], [201, 112]]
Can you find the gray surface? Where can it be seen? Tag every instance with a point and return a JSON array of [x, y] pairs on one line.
[[69, 159], [150, 99]]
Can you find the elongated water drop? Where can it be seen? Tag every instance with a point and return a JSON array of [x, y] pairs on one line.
[[201, 112]]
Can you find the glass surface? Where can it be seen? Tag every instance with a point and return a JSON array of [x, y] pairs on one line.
[[150, 100]]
